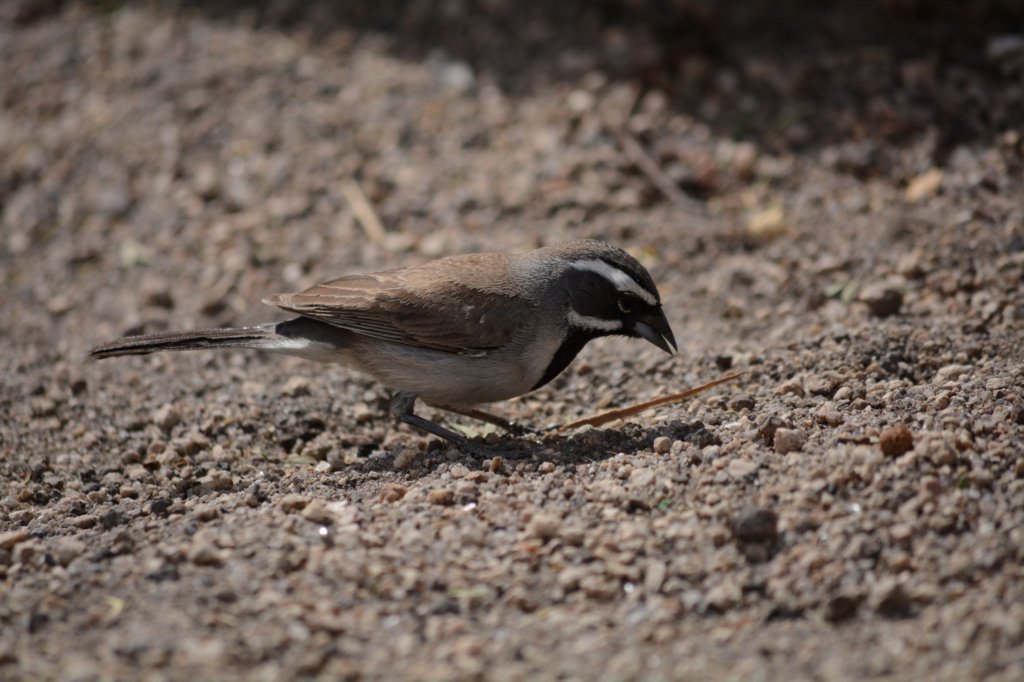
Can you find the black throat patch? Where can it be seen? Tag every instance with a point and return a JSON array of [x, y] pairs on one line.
[[566, 353]]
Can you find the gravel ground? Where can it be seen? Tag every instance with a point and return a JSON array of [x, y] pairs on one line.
[[830, 200]]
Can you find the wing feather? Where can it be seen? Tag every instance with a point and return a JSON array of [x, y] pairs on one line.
[[448, 316]]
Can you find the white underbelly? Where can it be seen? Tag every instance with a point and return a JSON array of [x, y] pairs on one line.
[[438, 378], [448, 379], [452, 380]]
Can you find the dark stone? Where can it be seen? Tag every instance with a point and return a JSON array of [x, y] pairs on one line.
[[842, 607], [111, 519], [756, 525]]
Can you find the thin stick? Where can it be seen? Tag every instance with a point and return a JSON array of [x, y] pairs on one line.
[[654, 172], [363, 211], [623, 412], [643, 160]]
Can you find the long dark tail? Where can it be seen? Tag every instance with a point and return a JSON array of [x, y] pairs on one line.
[[264, 336]]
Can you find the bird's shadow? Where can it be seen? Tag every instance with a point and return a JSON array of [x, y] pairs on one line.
[[582, 447]]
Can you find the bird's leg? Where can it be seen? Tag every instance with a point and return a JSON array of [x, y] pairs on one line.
[[481, 415], [401, 409]]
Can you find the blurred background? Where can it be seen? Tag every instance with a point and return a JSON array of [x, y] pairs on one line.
[[828, 193]]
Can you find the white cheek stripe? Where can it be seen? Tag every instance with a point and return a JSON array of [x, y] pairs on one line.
[[593, 323], [618, 278]]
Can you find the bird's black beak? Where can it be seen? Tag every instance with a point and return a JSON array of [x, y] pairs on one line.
[[654, 327]]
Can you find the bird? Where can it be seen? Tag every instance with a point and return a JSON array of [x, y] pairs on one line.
[[456, 332]]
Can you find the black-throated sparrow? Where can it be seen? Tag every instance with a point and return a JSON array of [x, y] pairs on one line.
[[455, 332]]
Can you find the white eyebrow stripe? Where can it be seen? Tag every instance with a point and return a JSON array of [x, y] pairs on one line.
[[592, 323], [618, 278]]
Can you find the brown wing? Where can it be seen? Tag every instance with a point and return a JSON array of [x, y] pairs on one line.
[[437, 313]]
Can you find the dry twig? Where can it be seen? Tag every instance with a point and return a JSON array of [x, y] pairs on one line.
[[363, 210], [623, 412], [655, 173], [642, 159]]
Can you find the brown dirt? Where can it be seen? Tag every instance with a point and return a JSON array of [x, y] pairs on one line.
[[842, 221]]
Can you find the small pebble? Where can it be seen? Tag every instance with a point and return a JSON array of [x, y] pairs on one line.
[[788, 440], [160, 298], [896, 440], [643, 479], [113, 199], [950, 373], [841, 607], [68, 549], [654, 576], [111, 519], [13, 537], [829, 414], [392, 492], [318, 512], [756, 525], [791, 387], [662, 445], [296, 386], [723, 596], [405, 457], [167, 417], [25, 552], [890, 599], [924, 185], [206, 512], [742, 403], [84, 521], [824, 384], [544, 526], [882, 301], [741, 468], [982, 478], [205, 554], [930, 486], [190, 444], [318, 448], [363, 413], [206, 180], [573, 535], [442, 496], [293, 502]]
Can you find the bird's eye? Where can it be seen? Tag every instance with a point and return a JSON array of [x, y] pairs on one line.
[[628, 301]]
